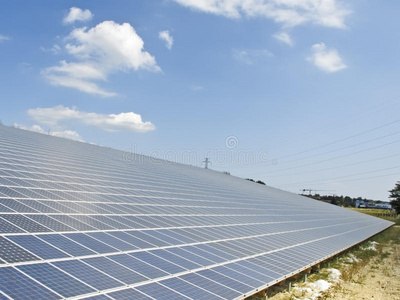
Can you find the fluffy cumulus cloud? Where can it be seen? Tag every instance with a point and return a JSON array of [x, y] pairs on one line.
[[3, 38], [249, 57], [55, 116], [325, 59], [284, 37], [167, 38], [77, 14], [68, 134], [289, 13], [98, 52]]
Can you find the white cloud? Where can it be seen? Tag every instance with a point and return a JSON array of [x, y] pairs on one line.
[[250, 56], [54, 50], [68, 134], [77, 14], [289, 13], [325, 59], [284, 37], [102, 50], [56, 115], [165, 36], [3, 38]]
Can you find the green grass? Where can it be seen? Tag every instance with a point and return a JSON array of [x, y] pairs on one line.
[[390, 235]]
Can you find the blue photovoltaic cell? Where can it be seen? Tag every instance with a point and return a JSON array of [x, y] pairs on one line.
[[17, 206], [55, 279], [11, 253], [158, 291], [265, 262], [6, 227], [4, 208], [259, 269], [158, 262], [39, 206], [178, 260], [25, 223], [244, 278], [115, 270], [125, 236], [250, 272], [74, 223], [173, 234], [211, 286], [37, 247], [188, 289], [110, 240], [129, 294], [215, 251], [190, 256], [229, 282], [17, 286], [148, 238], [92, 222], [204, 254], [138, 266], [50, 223], [90, 243], [163, 237], [88, 275], [66, 245]]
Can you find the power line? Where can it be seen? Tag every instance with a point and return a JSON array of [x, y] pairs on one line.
[[338, 177], [372, 177], [363, 178], [337, 167], [341, 140], [329, 159], [346, 120], [344, 148]]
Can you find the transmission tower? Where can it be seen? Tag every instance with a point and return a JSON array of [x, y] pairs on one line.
[[206, 162]]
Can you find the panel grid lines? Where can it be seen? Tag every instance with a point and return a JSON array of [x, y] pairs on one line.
[[77, 221]]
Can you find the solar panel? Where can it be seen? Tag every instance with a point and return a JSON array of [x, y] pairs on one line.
[[79, 221]]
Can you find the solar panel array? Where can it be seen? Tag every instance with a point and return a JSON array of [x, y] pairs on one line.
[[87, 222]]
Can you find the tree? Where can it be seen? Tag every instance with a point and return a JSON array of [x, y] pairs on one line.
[[395, 195]]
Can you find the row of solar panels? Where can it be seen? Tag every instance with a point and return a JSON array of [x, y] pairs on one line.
[[73, 167], [78, 221], [68, 278], [132, 240]]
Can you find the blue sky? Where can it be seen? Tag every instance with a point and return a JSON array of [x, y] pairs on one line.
[[300, 94]]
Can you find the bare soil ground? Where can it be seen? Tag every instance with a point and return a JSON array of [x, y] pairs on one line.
[[379, 279]]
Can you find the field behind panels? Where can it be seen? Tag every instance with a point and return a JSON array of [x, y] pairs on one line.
[[83, 221]]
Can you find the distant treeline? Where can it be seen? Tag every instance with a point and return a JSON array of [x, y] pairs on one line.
[[339, 200], [258, 181]]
